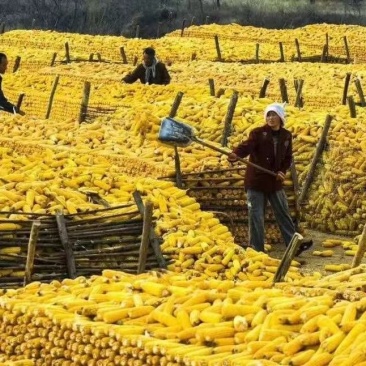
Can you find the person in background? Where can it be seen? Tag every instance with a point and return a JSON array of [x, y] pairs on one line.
[[269, 146], [150, 71], [5, 105]]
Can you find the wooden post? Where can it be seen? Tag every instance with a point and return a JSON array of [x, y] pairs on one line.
[[52, 95], [84, 102], [31, 251], [2, 28], [192, 20], [153, 238], [183, 26], [229, 118], [20, 101], [67, 52], [53, 59], [287, 258], [145, 239], [217, 44], [282, 53], [211, 83], [123, 55], [262, 93], [317, 154], [283, 89], [360, 92], [172, 114], [352, 107], [137, 34], [360, 249], [298, 49], [99, 57], [16, 63], [135, 59], [324, 54], [327, 44], [220, 92], [345, 89], [70, 259], [193, 56], [158, 30], [348, 55], [298, 102], [91, 57], [257, 53]]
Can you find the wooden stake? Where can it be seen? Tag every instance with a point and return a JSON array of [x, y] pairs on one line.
[[20, 101], [52, 95], [220, 92], [91, 57], [172, 114], [153, 238], [211, 83], [53, 59], [217, 44], [183, 26], [357, 259], [348, 55], [31, 251], [70, 260], [360, 92], [193, 56], [345, 89], [298, 49], [314, 162], [352, 107], [99, 57], [145, 239], [84, 102], [257, 53], [229, 118], [16, 63], [123, 55], [135, 59], [327, 44], [262, 93], [282, 53], [67, 52], [283, 89], [324, 54], [137, 34], [2, 28], [158, 30], [298, 102]]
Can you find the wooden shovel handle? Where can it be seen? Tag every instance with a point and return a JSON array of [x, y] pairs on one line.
[[226, 152]]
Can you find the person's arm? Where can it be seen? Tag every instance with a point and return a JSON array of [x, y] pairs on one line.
[[166, 76], [133, 76], [5, 105]]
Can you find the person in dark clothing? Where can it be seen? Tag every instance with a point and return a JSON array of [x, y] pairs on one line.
[[150, 71], [269, 146], [5, 105]]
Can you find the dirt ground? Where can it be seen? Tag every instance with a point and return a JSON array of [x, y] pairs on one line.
[[311, 263]]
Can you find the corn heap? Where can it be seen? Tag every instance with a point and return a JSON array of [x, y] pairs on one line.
[[183, 319]]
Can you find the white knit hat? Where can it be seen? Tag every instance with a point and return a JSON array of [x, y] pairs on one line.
[[277, 108]]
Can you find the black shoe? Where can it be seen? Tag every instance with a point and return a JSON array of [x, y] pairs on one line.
[[305, 245]]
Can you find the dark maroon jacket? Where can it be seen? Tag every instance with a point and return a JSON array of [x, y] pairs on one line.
[[260, 147], [4, 104], [162, 76]]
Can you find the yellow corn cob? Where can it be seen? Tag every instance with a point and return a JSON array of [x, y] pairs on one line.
[[208, 316], [319, 359], [350, 338], [164, 318], [210, 334], [331, 344], [302, 357], [154, 288]]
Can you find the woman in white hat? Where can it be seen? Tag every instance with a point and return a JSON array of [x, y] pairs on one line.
[[269, 146]]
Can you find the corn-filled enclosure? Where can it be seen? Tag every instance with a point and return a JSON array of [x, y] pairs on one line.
[[118, 249]]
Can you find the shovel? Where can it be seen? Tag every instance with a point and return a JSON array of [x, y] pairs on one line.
[[180, 134]]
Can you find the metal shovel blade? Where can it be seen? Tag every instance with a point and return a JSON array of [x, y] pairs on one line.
[[175, 133]]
